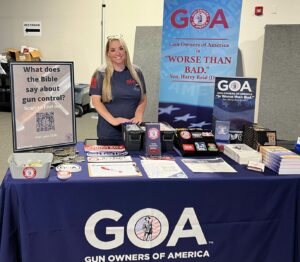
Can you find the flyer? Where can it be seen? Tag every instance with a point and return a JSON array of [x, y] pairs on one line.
[[208, 165], [162, 169], [122, 169]]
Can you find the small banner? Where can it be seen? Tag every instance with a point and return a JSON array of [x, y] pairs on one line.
[[235, 102]]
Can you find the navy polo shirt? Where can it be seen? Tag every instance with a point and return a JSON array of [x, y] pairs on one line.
[[126, 95]]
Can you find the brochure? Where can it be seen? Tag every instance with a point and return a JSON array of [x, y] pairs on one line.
[[124, 169], [162, 169], [105, 159], [208, 165]]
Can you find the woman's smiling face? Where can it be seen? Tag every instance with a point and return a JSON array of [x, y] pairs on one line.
[[116, 53]]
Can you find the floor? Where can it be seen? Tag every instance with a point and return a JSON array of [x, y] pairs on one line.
[[85, 125]]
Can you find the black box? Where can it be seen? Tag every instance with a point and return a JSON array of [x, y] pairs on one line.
[[196, 142], [256, 136], [132, 136]]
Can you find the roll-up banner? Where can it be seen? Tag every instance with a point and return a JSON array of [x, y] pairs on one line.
[[199, 42]]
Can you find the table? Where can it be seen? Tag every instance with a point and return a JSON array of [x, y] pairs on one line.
[[222, 217]]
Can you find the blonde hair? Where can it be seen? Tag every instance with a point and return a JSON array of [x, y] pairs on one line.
[[106, 90]]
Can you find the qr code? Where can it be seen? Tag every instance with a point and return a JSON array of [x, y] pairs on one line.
[[45, 121]]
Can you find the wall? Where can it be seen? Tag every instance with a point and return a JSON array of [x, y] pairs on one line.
[[71, 29], [280, 83]]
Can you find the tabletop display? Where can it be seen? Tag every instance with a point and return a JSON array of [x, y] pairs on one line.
[[159, 211]]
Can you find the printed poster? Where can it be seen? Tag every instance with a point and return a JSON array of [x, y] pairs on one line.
[[199, 41], [235, 102], [42, 104]]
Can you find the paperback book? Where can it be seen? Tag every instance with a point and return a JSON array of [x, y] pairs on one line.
[[242, 153], [281, 160]]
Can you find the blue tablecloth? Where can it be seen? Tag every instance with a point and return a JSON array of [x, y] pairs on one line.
[[220, 217]]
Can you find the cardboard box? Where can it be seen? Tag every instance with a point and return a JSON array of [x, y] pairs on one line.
[[18, 56]]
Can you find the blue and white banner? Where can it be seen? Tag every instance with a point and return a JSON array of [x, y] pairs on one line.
[[199, 41]]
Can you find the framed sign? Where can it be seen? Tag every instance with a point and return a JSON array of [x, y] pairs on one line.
[[42, 98]]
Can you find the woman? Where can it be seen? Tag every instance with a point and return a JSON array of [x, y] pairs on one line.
[[118, 93]]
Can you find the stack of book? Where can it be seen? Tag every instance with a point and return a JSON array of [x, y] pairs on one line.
[[242, 154], [281, 160]]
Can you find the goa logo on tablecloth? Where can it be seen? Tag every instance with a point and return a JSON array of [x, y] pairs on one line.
[[143, 230], [147, 228]]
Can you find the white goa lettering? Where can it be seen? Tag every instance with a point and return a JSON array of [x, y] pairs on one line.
[[147, 228]]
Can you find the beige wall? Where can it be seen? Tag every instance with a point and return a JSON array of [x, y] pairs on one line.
[[71, 29]]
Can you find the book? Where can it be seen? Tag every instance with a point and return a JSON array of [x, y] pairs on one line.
[[242, 153], [222, 131], [285, 170], [281, 160]]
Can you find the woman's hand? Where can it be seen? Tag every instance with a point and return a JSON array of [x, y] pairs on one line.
[[119, 120], [102, 110], [136, 120]]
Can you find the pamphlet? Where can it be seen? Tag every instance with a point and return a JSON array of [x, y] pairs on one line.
[[208, 165], [105, 159], [122, 169], [152, 139], [101, 148], [162, 169], [256, 166]]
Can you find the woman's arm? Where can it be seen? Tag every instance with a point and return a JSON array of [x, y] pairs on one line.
[[101, 109]]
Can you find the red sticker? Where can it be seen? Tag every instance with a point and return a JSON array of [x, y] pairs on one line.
[[188, 147], [29, 172]]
